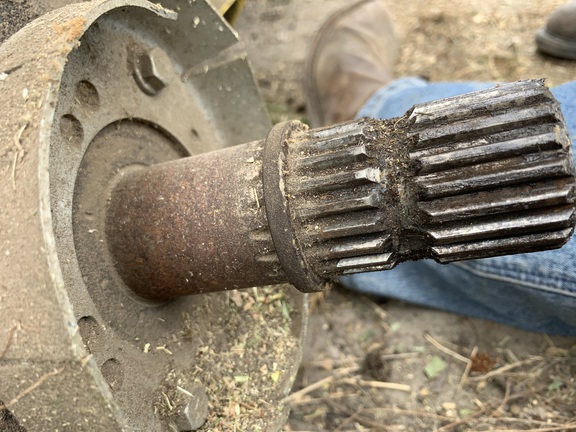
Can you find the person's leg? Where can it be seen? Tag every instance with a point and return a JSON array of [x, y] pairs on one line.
[[400, 95], [533, 291], [352, 58]]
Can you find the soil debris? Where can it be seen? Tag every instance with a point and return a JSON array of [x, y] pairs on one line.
[[241, 365]]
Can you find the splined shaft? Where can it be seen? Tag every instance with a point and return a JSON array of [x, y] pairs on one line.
[[484, 174]]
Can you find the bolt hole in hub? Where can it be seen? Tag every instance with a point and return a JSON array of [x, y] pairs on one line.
[[71, 130], [122, 106]]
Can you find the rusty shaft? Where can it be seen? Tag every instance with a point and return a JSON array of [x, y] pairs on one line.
[[484, 174]]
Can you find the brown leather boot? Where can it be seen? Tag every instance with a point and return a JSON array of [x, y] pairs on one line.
[[558, 37], [352, 56]]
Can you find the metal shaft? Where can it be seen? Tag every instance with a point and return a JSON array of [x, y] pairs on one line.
[[484, 174], [194, 225]]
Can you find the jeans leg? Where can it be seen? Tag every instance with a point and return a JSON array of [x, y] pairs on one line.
[[402, 94], [534, 291]]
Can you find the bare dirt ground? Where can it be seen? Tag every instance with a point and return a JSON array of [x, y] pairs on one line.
[[397, 367]]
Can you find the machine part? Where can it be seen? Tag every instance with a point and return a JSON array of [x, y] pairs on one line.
[[7, 421], [153, 71], [15, 14], [86, 353], [484, 174], [230, 9], [194, 413]]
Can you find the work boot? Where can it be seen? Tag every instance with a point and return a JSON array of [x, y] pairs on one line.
[[352, 56], [558, 37]]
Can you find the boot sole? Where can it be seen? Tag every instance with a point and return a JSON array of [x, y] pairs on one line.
[[555, 46]]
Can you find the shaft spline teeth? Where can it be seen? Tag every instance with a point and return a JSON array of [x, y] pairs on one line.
[[341, 203], [483, 174], [265, 252], [494, 167]]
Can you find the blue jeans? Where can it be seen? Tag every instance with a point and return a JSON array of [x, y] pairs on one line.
[[534, 291]]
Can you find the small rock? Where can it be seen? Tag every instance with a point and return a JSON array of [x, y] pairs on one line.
[[515, 410]]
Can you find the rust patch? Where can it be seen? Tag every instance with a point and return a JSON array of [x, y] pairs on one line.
[[71, 29]]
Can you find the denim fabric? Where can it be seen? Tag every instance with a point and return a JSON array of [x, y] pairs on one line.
[[535, 291]]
